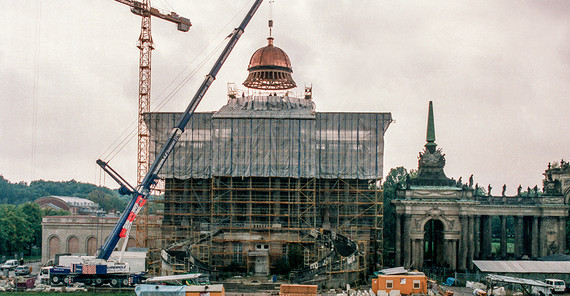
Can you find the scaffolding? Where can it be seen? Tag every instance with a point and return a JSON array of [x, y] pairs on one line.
[[222, 219], [244, 186]]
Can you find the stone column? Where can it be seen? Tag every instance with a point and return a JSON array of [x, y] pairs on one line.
[[417, 238], [477, 238], [542, 232], [503, 236], [398, 241], [535, 237], [407, 244], [470, 243], [562, 235], [486, 237], [421, 244], [461, 265], [452, 253], [518, 236], [415, 264]]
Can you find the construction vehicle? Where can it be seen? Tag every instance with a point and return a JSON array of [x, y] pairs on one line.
[[89, 270], [95, 272], [101, 270]]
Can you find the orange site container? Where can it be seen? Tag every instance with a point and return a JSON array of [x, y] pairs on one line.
[[202, 290], [297, 290], [406, 284]]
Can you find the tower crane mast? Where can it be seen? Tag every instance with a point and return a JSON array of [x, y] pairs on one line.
[[145, 46]]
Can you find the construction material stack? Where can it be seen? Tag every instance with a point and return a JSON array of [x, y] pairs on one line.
[[298, 290]]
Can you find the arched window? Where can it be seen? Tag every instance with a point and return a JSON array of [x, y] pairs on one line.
[[53, 246], [73, 245], [91, 246]]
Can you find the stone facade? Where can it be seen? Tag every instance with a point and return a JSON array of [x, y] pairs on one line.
[[540, 225], [443, 222], [77, 235]]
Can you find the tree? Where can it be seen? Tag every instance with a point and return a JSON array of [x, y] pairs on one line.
[[33, 215], [15, 230], [396, 176]]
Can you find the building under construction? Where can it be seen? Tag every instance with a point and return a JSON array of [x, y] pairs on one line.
[[267, 177]]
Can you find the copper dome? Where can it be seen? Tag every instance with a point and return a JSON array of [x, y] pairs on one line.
[[270, 68]]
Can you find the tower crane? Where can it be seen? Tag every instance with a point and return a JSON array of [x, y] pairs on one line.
[[145, 46]]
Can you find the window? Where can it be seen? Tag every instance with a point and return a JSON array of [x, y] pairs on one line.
[[238, 256], [389, 284], [416, 284]]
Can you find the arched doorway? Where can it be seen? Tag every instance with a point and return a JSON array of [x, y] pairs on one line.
[[434, 247]]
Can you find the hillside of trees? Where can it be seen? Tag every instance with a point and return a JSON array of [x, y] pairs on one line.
[[20, 193]]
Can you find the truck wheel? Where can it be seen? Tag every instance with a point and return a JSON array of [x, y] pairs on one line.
[[115, 282], [55, 280], [125, 282], [98, 282]]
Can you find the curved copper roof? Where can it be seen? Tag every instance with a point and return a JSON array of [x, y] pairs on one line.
[[270, 69], [270, 56]]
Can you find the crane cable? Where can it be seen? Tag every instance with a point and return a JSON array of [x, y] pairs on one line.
[[36, 87], [132, 131]]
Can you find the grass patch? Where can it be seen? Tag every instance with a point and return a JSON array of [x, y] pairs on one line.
[[122, 293]]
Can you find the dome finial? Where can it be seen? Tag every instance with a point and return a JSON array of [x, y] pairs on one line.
[[270, 23]]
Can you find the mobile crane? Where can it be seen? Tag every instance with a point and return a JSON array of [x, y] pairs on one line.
[[101, 270]]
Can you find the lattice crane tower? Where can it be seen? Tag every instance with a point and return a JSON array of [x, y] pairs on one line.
[[145, 45]]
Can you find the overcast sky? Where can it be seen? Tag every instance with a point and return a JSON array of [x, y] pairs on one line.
[[497, 71]]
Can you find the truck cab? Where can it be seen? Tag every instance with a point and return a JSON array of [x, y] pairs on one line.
[[43, 276]]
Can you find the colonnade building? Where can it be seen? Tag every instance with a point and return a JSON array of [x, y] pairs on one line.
[[443, 222]]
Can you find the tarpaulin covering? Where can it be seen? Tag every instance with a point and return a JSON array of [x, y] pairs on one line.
[[160, 290], [233, 142]]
